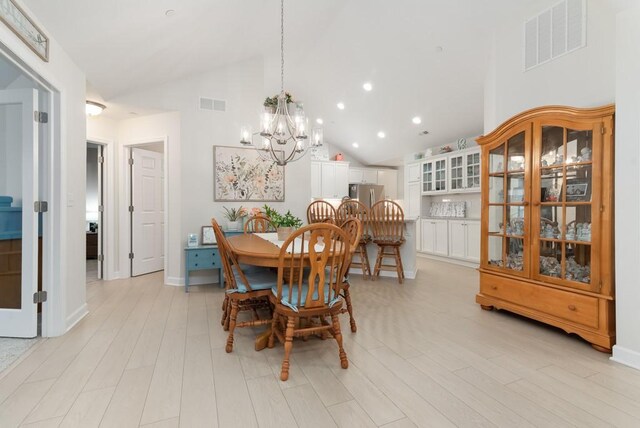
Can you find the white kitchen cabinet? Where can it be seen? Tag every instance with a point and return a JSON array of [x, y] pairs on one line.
[[389, 179], [413, 200], [464, 240], [332, 181], [434, 176], [414, 172], [464, 172], [363, 176], [435, 237]]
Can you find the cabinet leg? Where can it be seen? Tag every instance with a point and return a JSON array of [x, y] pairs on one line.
[[601, 348], [487, 307]]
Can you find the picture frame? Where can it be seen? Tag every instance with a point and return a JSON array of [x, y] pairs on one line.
[[241, 175], [22, 26], [578, 190], [208, 237], [192, 240], [550, 194]]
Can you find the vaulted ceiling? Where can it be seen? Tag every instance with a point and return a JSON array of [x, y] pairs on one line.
[[424, 58]]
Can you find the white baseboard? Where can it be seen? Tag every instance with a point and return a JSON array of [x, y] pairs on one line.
[[448, 260], [408, 274], [626, 356], [194, 280], [75, 317]]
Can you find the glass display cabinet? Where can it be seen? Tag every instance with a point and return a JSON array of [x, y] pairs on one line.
[[547, 220]]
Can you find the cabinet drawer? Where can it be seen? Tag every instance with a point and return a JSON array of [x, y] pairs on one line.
[[203, 259], [573, 307]]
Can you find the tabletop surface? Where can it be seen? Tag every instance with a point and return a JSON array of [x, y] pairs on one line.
[[253, 246]]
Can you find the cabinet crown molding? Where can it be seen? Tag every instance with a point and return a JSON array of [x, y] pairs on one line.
[[555, 111]]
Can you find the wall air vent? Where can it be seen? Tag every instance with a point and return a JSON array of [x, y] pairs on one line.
[[422, 133], [211, 104], [555, 32]]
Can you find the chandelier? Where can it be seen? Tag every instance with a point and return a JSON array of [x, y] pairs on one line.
[[283, 135]]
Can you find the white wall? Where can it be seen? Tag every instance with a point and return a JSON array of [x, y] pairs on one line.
[[627, 349], [64, 277], [583, 78], [242, 86]]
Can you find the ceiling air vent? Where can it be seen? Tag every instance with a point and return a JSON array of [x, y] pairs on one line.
[[211, 104], [555, 32]]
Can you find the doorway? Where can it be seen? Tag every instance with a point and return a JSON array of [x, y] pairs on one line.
[[147, 208], [94, 227]]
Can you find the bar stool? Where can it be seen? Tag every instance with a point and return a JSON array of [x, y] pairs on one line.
[[352, 208], [387, 226]]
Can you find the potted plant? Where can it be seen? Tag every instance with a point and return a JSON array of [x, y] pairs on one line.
[[271, 103], [285, 224], [234, 217]]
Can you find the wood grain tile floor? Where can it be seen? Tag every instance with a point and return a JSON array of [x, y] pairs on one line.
[[424, 355]]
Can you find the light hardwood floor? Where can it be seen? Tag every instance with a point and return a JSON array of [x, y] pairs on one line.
[[424, 355]]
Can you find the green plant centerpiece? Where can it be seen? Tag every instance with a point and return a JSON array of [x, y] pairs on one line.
[[271, 103], [285, 223]]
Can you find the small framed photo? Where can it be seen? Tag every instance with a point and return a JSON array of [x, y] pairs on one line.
[[208, 236], [578, 190], [550, 194], [192, 240]]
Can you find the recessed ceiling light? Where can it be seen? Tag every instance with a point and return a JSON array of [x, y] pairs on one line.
[[381, 134], [416, 120], [169, 12], [355, 145], [367, 86], [133, 113], [319, 121], [439, 49], [340, 105]]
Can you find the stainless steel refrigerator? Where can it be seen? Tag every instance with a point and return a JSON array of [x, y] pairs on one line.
[[368, 194]]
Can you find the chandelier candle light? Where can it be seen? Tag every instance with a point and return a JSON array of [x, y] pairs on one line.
[[283, 135]]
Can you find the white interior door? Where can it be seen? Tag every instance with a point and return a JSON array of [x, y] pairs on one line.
[[147, 223], [18, 222]]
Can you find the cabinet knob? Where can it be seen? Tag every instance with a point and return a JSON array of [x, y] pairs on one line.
[[494, 287], [536, 204], [196, 255], [525, 203], [572, 307], [196, 264]]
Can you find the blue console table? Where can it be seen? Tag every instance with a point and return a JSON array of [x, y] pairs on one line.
[[200, 258]]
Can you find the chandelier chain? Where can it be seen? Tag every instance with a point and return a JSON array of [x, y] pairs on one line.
[[281, 45]]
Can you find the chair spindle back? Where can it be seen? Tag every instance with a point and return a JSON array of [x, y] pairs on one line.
[[387, 221], [228, 259], [320, 211], [259, 224]]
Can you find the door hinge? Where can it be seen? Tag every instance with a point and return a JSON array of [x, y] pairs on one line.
[[130, 161], [131, 256], [600, 285], [601, 208], [101, 208], [39, 297], [100, 159], [130, 208], [100, 258], [40, 206], [41, 117], [602, 129]]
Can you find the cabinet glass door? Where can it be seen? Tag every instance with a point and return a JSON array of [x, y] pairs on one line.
[[472, 164], [440, 170], [507, 214], [565, 207], [427, 177], [456, 169]]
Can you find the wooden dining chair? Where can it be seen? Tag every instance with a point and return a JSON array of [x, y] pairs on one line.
[[259, 224], [353, 208], [311, 268], [387, 227], [246, 290], [353, 228], [320, 211]]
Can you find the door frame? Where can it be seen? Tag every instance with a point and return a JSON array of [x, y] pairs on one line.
[[109, 271], [54, 321], [125, 198]]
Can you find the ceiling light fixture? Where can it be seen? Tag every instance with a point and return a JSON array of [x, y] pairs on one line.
[[283, 129], [319, 121], [416, 120], [381, 134], [340, 105], [367, 86], [93, 108], [355, 145], [169, 12]]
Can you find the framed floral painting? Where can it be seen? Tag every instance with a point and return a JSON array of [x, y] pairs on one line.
[[241, 175]]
